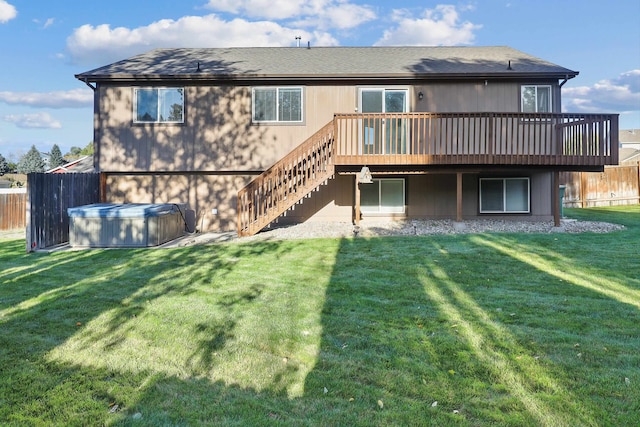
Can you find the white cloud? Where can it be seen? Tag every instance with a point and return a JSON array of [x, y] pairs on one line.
[[7, 12], [321, 14], [49, 22], [102, 44], [438, 27], [75, 98], [33, 121], [621, 94], [342, 16]]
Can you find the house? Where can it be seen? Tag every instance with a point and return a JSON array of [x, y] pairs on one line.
[[81, 165], [616, 185], [249, 136], [629, 146]]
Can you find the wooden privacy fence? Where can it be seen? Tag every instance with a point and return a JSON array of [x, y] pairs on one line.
[[13, 208], [617, 185], [49, 196]]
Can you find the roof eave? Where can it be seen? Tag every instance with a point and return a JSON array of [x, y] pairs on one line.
[[251, 78]]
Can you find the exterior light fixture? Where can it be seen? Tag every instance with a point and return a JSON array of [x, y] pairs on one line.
[[420, 95], [365, 176]]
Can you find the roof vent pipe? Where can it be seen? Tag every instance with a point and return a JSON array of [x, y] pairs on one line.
[[509, 66], [298, 41], [308, 45]]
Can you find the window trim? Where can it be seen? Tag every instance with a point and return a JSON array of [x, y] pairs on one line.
[[159, 106], [536, 86], [381, 211], [277, 109], [504, 195]]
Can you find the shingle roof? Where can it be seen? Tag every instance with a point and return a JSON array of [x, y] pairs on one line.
[[330, 63], [81, 165], [630, 135]]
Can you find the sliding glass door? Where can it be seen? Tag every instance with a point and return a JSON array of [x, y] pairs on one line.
[[388, 134]]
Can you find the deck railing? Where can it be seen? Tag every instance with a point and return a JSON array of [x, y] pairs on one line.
[[575, 141], [285, 183], [476, 139]]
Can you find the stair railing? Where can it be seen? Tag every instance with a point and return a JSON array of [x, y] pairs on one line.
[[288, 181]]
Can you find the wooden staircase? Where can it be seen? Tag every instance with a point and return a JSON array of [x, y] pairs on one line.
[[287, 182]]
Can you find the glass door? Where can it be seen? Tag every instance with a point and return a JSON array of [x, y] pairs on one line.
[[386, 135]]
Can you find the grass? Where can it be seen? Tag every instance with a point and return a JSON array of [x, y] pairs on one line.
[[485, 329]]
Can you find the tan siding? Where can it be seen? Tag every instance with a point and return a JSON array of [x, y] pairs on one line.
[[218, 136], [468, 97], [331, 202], [202, 194], [432, 196], [541, 195]]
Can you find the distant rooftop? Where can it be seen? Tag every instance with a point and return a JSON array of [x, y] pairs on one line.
[[328, 63], [630, 135]]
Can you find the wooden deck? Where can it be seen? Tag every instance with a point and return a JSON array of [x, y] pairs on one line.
[[476, 139], [393, 142]]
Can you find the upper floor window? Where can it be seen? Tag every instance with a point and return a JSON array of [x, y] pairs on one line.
[[158, 105], [536, 99], [277, 104]]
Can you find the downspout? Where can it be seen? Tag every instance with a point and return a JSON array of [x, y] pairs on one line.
[[96, 146], [566, 79], [86, 81]]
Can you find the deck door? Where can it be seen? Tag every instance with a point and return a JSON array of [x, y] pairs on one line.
[[386, 135]]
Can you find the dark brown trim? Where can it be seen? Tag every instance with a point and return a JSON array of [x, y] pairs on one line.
[[181, 172]]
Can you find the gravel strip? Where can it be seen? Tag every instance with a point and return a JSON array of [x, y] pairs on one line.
[[310, 230], [431, 227]]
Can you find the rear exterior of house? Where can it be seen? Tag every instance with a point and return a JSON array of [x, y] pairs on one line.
[[249, 136]]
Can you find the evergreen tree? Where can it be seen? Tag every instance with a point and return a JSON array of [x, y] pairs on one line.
[[55, 158], [4, 166], [31, 162]]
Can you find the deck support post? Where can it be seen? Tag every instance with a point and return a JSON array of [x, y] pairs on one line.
[[459, 197], [356, 213], [556, 198]]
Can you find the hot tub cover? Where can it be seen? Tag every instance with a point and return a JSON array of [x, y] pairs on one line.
[[128, 210]]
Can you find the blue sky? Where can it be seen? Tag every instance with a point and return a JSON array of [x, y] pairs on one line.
[[45, 43]]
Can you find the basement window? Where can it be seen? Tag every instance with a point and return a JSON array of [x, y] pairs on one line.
[[504, 195], [383, 196], [158, 105], [277, 104]]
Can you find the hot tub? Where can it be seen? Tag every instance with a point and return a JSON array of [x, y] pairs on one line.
[[110, 225]]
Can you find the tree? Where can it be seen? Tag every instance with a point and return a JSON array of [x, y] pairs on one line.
[[88, 149], [31, 162], [76, 152], [4, 166], [55, 158]]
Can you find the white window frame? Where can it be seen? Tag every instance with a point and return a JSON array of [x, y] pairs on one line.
[[523, 88], [159, 105], [504, 195], [277, 106], [380, 209]]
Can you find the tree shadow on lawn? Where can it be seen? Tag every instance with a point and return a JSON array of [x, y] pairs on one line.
[[429, 345], [417, 339], [48, 300]]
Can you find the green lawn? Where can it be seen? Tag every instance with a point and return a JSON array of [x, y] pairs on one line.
[[484, 329]]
